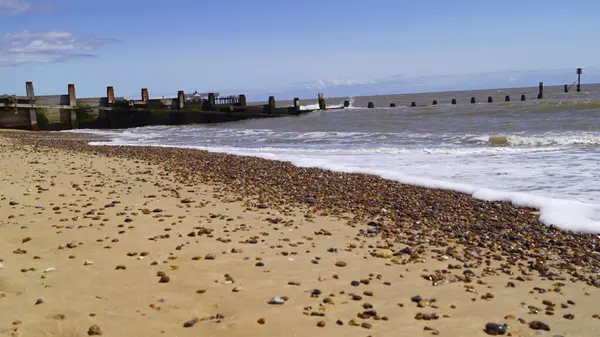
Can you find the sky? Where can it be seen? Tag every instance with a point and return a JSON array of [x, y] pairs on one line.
[[290, 47]]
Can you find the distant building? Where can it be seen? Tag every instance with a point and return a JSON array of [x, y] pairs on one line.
[[197, 96]]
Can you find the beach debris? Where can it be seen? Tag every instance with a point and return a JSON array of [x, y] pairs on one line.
[[261, 321], [190, 323], [164, 279], [383, 253], [538, 325], [49, 270], [276, 300], [321, 324], [88, 263]]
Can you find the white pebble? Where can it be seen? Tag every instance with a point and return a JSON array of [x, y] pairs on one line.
[[49, 270], [1, 266], [88, 263]]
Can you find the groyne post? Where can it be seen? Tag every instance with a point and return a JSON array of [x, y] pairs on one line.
[[110, 95], [507, 98], [145, 95], [370, 105], [541, 90], [490, 99], [523, 98], [211, 100], [322, 103], [180, 99], [454, 101], [32, 111], [413, 104], [271, 104], [297, 104], [346, 103], [434, 102], [566, 88], [392, 105], [579, 71], [243, 100], [73, 105], [473, 101]]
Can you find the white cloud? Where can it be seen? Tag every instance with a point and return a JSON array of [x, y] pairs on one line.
[[46, 47], [14, 6]]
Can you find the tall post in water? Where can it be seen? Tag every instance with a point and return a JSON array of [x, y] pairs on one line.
[[413, 104], [322, 103], [180, 99], [473, 101], [346, 103], [297, 104], [541, 91], [145, 96], [453, 101], [566, 88], [242, 100], [371, 105], [523, 98], [211, 100], [73, 105], [110, 95], [434, 102], [507, 98], [490, 99], [271, 104], [32, 112], [392, 105], [579, 71]]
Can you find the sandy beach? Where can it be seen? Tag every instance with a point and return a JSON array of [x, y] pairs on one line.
[[124, 241]]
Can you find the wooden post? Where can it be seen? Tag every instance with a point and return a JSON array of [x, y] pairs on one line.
[[32, 112], [541, 90], [73, 105], [243, 100], [392, 105], [522, 98], [490, 99], [434, 102], [566, 88], [454, 101], [297, 104], [346, 103], [413, 104], [370, 105], [473, 101], [145, 96], [211, 100], [579, 71], [322, 103], [110, 95], [271, 104], [507, 98], [180, 99]]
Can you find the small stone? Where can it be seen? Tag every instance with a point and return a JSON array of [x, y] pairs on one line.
[[200, 291], [416, 299], [210, 256], [94, 330], [121, 267], [355, 283], [17, 322], [339, 322], [39, 301], [383, 253], [537, 325], [27, 239], [261, 321], [366, 325], [13, 203], [276, 300], [259, 264], [340, 264], [569, 316], [190, 323], [88, 263], [321, 324], [164, 279], [495, 329]]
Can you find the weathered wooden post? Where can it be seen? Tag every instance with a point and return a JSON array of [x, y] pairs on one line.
[[243, 100], [540, 91], [180, 99], [271, 104], [32, 112], [566, 88], [110, 95], [579, 71], [507, 98], [145, 95], [73, 105], [490, 99], [322, 103], [523, 98], [211, 100], [346, 103], [297, 104], [370, 105], [473, 101], [413, 104], [434, 102], [454, 101], [392, 105]]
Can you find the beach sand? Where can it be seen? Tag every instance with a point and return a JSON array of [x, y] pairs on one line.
[[85, 231]]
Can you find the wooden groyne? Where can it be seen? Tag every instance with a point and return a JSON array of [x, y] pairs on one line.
[[66, 111]]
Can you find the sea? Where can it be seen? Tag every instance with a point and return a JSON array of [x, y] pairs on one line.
[[536, 153]]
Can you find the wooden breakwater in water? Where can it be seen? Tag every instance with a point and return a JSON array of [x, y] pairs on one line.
[[66, 111]]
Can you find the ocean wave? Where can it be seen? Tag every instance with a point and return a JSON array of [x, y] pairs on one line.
[[546, 141]]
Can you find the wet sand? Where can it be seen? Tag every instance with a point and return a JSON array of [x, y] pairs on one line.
[[86, 233]]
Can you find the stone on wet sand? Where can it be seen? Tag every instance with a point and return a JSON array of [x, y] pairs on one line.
[[495, 329], [538, 325], [94, 330]]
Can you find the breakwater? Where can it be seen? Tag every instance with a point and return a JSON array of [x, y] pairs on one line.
[[66, 111]]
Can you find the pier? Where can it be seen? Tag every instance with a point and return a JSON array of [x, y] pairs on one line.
[[66, 111]]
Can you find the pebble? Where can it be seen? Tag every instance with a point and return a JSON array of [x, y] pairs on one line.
[[39, 301], [190, 323], [569, 316], [416, 299], [94, 330], [355, 283], [537, 325], [210, 256], [276, 300], [49, 270], [88, 263], [384, 253], [120, 267], [261, 321], [366, 325], [340, 264], [495, 329], [164, 279], [321, 324], [1, 266]]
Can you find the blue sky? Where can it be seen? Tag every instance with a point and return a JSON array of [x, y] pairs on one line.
[[276, 45]]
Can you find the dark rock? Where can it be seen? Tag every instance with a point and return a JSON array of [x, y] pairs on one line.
[[416, 299], [495, 329], [537, 325]]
